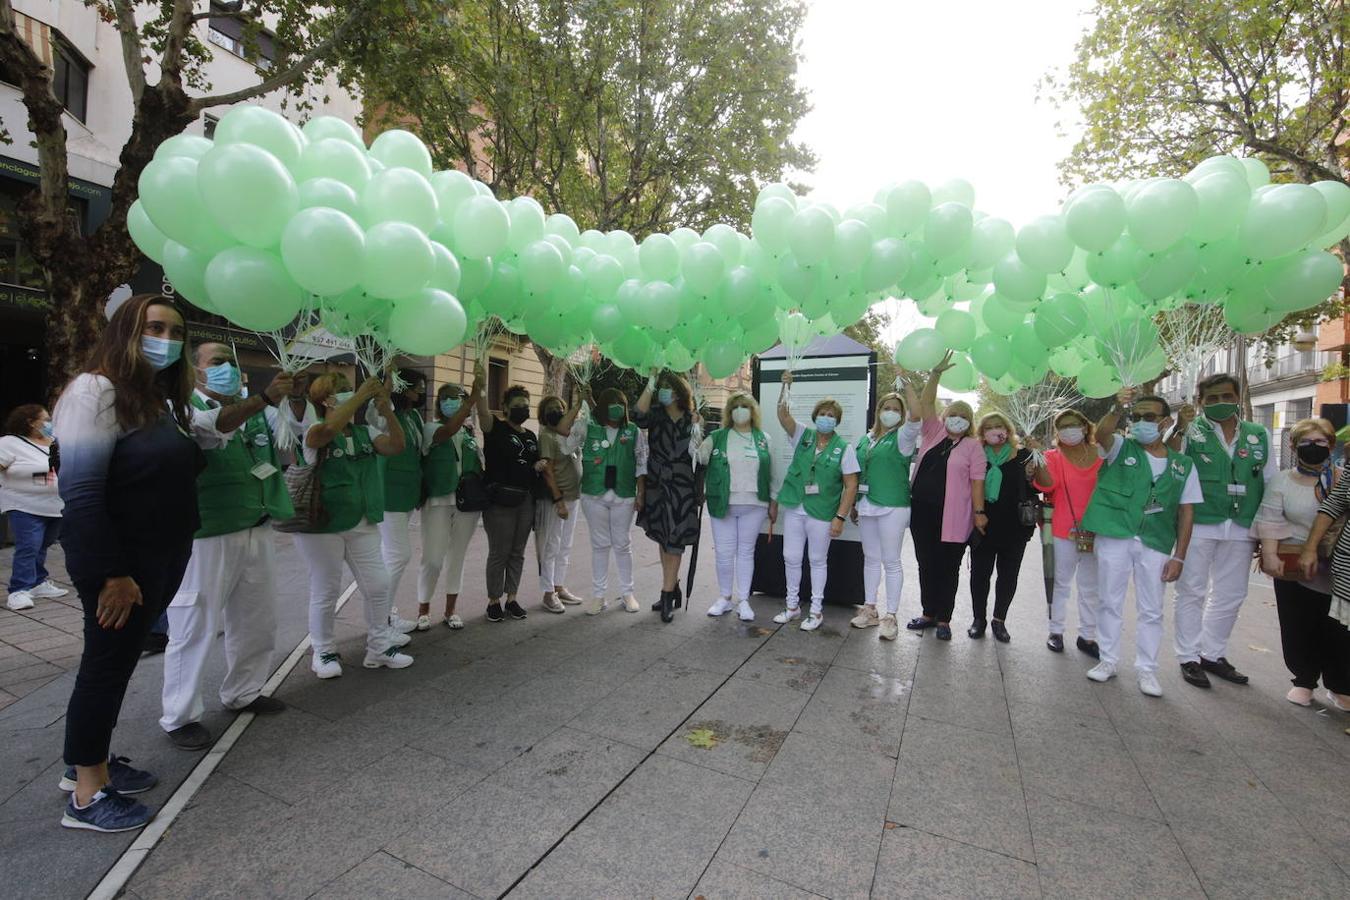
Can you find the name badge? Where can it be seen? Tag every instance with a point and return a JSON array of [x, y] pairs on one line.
[[862, 488], [1153, 508], [812, 489], [263, 470], [1237, 490], [751, 453]]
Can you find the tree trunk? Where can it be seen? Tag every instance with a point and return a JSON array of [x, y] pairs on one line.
[[555, 371], [73, 325]]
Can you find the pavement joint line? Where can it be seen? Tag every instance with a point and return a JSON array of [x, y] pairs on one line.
[[117, 877]]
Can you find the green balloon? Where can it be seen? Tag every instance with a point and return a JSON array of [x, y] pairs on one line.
[[631, 348], [1017, 281], [1060, 319], [399, 195], [811, 235], [604, 274], [727, 241], [796, 280], [1117, 265], [474, 277], [541, 266], [447, 274], [659, 257], [147, 238], [1222, 199], [323, 250], [722, 358], [331, 193], [991, 355], [336, 159], [504, 294], [703, 267], [921, 349], [248, 193], [250, 287], [481, 228], [991, 239], [1027, 373], [889, 262], [907, 207], [1026, 346], [263, 129], [190, 145], [770, 222], [763, 336], [607, 322], [398, 260], [1066, 361], [173, 202], [186, 271], [321, 128], [1282, 219], [1044, 245], [1164, 273], [1160, 212], [947, 231], [427, 323], [452, 188], [961, 376], [527, 223], [1302, 281], [1094, 217], [1257, 173], [397, 148], [1096, 379], [659, 306], [1001, 316]]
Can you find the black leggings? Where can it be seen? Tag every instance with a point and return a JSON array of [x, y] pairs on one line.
[[110, 657], [984, 559], [939, 563], [1314, 644]]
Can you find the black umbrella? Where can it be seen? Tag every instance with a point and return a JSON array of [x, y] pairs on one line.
[[1048, 554], [698, 539]]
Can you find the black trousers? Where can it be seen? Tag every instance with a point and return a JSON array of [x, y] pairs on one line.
[[110, 657], [1315, 645], [939, 563], [984, 560]]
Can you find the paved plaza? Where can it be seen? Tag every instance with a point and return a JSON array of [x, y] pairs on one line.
[[612, 756]]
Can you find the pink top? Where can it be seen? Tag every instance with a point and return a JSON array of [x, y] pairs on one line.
[[965, 464], [1071, 493]]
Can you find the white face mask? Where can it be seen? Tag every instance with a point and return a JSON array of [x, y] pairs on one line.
[[889, 418], [1071, 436], [740, 415], [957, 424]]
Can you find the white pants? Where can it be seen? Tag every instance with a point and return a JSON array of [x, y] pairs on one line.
[[1117, 560], [882, 538], [446, 532], [1210, 592], [611, 526], [228, 584], [734, 537], [553, 542], [1068, 563], [801, 531], [396, 548], [360, 547]]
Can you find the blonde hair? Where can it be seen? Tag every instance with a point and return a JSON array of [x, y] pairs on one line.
[[961, 408], [828, 403], [323, 385], [993, 420], [1089, 427], [1303, 426], [733, 401], [882, 401]]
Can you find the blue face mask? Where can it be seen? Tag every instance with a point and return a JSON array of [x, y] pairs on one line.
[[159, 352], [666, 396], [341, 397], [450, 406], [1144, 432], [46, 429], [825, 424], [222, 380]]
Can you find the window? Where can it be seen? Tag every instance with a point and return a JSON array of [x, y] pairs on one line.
[[1265, 415], [1298, 410], [209, 123], [17, 266], [257, 46], [70, 79], [498, 381]]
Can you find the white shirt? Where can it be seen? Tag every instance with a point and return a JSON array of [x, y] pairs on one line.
[[848, 464], [906, 441], [743, 460], [577, 436], [346, 442], [1229, 530], [27, 483], [1190, 492]]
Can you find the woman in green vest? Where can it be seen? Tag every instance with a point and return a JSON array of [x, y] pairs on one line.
[[352, 491], [613, 475], [739, 462], [882, 511], [816, 496], [402, 490], [449, 454]]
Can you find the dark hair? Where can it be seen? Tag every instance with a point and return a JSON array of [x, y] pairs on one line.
[[514, 391], [1166, 407], [607, 398], [444, 390], [684, 396], [1214, 381], [546, 400], [141, 392], [414, 380], [20, 420]]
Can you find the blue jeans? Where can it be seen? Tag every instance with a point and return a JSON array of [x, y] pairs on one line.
[[32, 536]]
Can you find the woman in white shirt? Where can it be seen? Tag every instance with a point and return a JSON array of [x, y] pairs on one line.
[[739, 462], [28, 494]]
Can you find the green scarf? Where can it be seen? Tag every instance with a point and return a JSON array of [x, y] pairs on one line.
[[993, 479]]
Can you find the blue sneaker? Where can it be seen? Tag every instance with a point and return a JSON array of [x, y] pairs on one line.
[[109, 812], [123, 778]]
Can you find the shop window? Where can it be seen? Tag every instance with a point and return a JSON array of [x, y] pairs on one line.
[[17, 266]]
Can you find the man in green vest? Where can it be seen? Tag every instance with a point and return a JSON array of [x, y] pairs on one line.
[[228, 584], [1141, 512]]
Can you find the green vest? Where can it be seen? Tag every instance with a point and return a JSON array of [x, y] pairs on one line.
[[885, 470], [403, 473], [1217, 472], [229, 497], [350, 481], [717, 484], [823, 469], [442, 467], [1126, 489], [598, 454]]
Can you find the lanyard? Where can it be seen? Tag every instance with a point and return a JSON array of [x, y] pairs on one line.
[[811, 475]]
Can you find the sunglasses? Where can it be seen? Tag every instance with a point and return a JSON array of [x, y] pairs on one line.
[[1147, 417]]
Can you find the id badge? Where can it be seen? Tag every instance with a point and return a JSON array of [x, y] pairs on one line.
[[1237, 490], [862, 488], [812, 490], [263, 470], [1153, 508]]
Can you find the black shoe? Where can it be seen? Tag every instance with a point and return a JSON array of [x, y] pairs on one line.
[[1000, 631], [1223, 669], [494, 613], [976, 630], [263, 706], [944, 632], [667, 606], [677, 599], [192, 736], [1056, 643], [656, 607], [1089, 647], [1193, 674], [154, 643], [515, 609], [919, 623]]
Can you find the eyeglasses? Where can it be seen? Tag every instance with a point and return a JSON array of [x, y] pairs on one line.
[[1147, 417], [1320, 442]]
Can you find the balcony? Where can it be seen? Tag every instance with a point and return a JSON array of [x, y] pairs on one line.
[[1289, 370]]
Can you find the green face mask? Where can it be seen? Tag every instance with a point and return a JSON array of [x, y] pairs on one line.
[[1218, 412], [615, 412]]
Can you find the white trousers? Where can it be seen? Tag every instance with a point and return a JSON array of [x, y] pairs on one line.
[[1210, 592], [553, 542], [325, 553], [396, 548], [734, 537], [228, 584], [1072, 566], [1117, 560], [882, 538], [802, 532], [446, 533], [611, 525]]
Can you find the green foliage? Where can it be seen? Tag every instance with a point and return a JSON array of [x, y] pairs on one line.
[[870, 330]]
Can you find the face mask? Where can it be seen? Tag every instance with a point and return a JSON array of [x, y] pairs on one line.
[[552, 417], [665, 396], [222, 380], [518, 414], [890, 418], [957, 424], [1144, 432], [825, 424], [46, 429], [450, 406], [160, 353], [740, 415], [341, 397], [616, 412], [1072, 436], [995, 436], [1218, 412], [1313, 454]]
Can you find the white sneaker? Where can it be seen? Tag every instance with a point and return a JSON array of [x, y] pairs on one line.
[[19, 600], [47, 589], [567, 597], [1148, 684], [721, 607], [401, 625], [630, 603], [1102, 672], [866, 617], [453, 622], [597, 606], [813, 621], [552, 604], [745, 611], [389, 659], [424, 623], [326, 665], [889, 628], [398, 639], [787, 615]]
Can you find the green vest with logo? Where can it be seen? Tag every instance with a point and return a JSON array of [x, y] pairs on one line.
[[1126, 490], [230, 497], [717, 484], [823, 469], [1218, 473], [350, 480], [598, 454], [442, 466], [885, 470], [403, 473]]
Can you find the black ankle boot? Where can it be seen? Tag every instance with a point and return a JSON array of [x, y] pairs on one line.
[[677, 597], [667, 606]]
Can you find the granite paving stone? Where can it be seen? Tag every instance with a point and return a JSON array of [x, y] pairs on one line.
[[915, 864]]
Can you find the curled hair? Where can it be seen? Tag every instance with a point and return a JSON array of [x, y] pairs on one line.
[[20, 420], [514, 391], [545, 400], [684, 395], [828, 403], [1300, 429], [140, 392]]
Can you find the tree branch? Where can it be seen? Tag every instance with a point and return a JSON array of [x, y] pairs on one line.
[[180, 23], [133, 53]]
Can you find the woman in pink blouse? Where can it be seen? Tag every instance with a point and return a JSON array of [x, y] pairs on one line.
[[947, 502]]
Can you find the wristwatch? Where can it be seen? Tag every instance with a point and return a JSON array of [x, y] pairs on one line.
[[980, 512], [840, 518]]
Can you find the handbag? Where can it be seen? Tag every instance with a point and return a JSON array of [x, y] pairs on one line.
[[1028, 508], [507, 495], [1083, 539], [472, 493], [305, 490], [1289, 554]]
